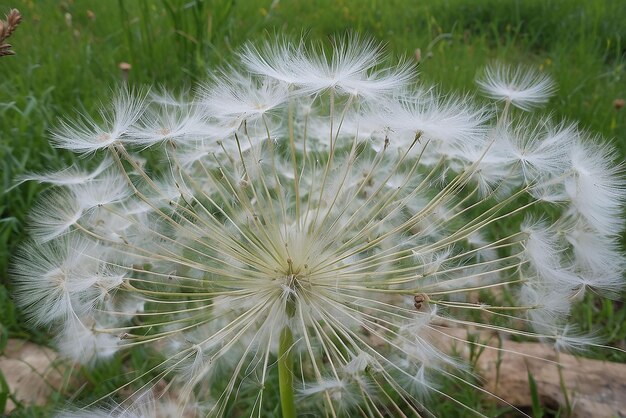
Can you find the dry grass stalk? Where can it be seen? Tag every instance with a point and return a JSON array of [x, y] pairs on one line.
[[7, 27]]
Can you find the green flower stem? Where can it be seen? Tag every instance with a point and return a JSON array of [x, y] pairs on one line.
[[285, 375]]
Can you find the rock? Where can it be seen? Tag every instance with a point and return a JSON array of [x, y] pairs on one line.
[[594, 388], [32, 372]]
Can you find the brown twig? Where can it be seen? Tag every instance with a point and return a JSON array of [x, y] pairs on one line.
[[7, 27]]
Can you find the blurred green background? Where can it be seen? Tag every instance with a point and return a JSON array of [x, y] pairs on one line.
[[69, 55]]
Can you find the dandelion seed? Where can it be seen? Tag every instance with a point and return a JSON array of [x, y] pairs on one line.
[[167, 118], [349, 70], [522, 88], [90, 135], [145, 405]]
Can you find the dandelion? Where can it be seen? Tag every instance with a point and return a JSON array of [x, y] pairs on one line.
[[318, 222]]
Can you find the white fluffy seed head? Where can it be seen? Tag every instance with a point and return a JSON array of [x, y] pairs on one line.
[[322, 194]]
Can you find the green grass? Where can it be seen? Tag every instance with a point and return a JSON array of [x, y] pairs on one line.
[[69, 51]]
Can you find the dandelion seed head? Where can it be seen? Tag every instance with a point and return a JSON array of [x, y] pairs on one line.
[[316, 206]]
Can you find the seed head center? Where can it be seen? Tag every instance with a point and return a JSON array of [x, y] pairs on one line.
[[295, 274]]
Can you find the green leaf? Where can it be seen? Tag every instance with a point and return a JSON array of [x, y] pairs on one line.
[[4, 392], [534, 395]]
